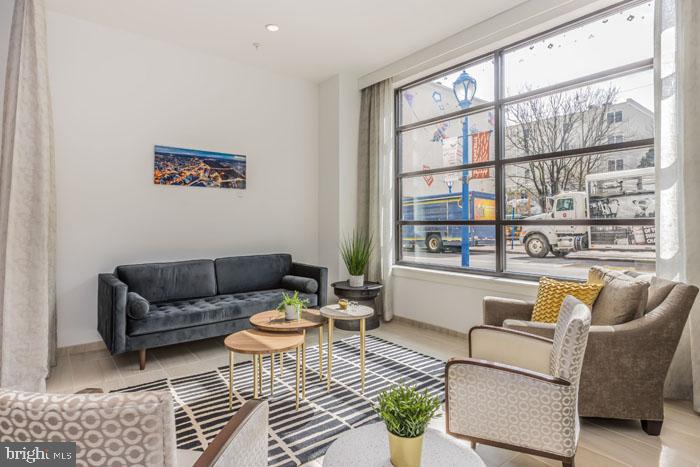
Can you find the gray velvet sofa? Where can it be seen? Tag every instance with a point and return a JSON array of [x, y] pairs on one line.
[[141, 306]]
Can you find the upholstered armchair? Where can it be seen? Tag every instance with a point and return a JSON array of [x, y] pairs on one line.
[[126, 429], [519, 391], [625, 365]]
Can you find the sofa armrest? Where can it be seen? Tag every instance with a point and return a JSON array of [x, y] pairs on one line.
[[510, 347], [242, 441], [111, 311], [320, 274], [496, 310]]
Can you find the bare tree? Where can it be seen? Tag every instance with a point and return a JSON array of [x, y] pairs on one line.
[[557, 122]]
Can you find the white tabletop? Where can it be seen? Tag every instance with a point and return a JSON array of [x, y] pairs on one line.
[[334, 311], [368, 446]]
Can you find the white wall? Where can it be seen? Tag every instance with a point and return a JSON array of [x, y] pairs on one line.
[[520, 22], [329, 169], [339, 111], [115, 96], [450, 300]]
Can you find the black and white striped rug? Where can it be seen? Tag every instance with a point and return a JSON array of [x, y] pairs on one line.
[[201, 400]]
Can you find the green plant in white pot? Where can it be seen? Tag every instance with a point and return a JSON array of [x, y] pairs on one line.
[[356, 252], [406, 413], [291, 306]]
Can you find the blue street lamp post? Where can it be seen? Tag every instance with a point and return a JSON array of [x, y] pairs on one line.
[[464, 88]]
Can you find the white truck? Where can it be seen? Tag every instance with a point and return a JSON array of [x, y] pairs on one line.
[[623, 194]]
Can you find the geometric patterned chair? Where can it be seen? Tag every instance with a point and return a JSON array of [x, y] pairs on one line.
[[520, 391], [128, 429]]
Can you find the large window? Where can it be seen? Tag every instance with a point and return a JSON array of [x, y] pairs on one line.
[[534, 159]]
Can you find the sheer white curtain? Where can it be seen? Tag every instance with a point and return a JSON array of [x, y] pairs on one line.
[[27, 208], [376, 181], [677, 58]]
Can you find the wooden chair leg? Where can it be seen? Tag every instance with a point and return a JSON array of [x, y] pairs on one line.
[[142, 359], [652, 427]]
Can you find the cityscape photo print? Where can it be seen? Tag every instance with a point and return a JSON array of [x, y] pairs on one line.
[[191, 167]]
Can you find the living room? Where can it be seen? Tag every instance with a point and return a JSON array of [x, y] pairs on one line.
[[332, 233]]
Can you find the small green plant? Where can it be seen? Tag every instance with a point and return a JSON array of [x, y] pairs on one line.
[[405, 410], [356, 252], [293, 300]]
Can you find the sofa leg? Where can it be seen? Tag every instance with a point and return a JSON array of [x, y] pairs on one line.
[[142, 359], [473, 444], [568, 462], [652, 427]]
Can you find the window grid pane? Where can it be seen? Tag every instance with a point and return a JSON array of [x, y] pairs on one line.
[[596, 192]]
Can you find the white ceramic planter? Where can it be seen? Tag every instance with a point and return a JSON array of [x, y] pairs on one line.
[[290, 312], [356, 281]]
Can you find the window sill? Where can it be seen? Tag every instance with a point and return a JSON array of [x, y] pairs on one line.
[[494, 284]]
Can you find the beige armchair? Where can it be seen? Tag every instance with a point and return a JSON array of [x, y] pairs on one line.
[[129, 429], [520, 391], [625, 365]]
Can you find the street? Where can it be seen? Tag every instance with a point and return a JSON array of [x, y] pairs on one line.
[[574, 265]]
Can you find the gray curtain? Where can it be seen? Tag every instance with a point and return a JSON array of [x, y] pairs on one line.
[[677, 61], [375, 183], [27, 208]]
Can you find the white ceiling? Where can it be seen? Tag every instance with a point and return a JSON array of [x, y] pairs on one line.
[[317, 39]]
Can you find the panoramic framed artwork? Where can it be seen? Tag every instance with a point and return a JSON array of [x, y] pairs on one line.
[[192, 167]]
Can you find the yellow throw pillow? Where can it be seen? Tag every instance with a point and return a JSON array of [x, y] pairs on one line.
[[551, 294]]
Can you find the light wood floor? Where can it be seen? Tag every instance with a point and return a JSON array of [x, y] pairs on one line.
[[603, 442]]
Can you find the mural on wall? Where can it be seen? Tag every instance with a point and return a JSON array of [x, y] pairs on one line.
[[191, 167]]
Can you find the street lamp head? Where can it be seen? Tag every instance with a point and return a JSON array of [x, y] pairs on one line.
[[464, 88]]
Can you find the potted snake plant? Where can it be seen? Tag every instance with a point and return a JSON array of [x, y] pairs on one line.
[[291, 306], [356, 252], [406, 413]]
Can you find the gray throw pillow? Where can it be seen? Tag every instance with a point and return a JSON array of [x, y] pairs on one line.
[[300, 284], [658, 290], [136, 306], [622, 298]]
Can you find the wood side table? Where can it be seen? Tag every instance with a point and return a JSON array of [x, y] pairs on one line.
[[274, 321], [258, 343], [365, 295], [333, 313]]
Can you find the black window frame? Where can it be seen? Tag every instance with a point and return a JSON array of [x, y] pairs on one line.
[[500, 160]]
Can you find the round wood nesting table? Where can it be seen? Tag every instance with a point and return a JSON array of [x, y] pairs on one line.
[[258, 343], [274, 321], [333, 313]]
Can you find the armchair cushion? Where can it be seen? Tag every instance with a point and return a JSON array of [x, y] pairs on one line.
[[622, 299], [510, 347], [136, 306], [300, 284], [551, 294]]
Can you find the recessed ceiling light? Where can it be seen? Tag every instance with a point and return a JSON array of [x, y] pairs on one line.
[[272, 27]]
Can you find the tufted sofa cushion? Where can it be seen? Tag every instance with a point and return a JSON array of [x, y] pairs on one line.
[[238, 274], [165, 316], [179, 280]]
